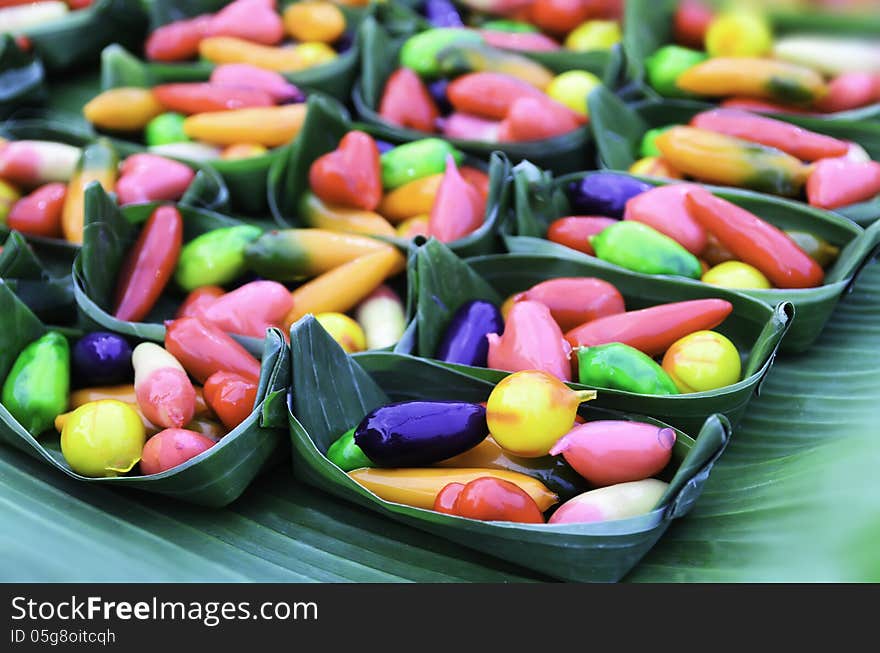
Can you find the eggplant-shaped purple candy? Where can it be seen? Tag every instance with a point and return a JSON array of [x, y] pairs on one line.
[[418, 433], [102, 358], [442, 13], [604, 193], [465, 341]]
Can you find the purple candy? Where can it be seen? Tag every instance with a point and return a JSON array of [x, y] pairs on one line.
[[465, 339], [438, 93], [102, 358], [442, 13], [384, 146], [604, 193]]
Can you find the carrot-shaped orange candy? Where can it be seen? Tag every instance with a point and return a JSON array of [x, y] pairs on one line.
[[652, 330], [754, 241], [794, 140], [97, 163]]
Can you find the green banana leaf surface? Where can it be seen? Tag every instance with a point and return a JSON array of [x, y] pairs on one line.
[[618, 131], [647, 26], [22, 77], [326, 123], [44, 285], [444, 282], [324, 406], [213, 478], [565, 153], [539, 200]]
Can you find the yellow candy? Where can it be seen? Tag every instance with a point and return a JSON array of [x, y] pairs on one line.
[[571, 88], [344, 330], [529, 411], [102, 438], [594, 35], [314, 53], [411, 199], [701, 361], [416, 226], [654, 166], [314, 20], [228, 49], [243, 151], [507, 305], [267, 126], [736, 274], [123, 109], [9, 195], [741, 33]]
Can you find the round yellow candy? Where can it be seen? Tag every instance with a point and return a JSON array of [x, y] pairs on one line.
[[102, 438], [594, 35], [740, 33], [344, 331], [9, 195], [529, 411], [703, 360], [314, 20], [571, 88], [736, 274]]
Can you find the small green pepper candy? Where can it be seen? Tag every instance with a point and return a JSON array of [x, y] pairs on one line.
[[616, 366], [411, 161], [215, 257], [419, 52], [165, 129], [515, 26], [36, 390], [666, 65], [648, 146], [638, 247], [346, 455]]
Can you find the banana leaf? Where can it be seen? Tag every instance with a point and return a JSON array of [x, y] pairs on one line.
[[647, 26], [793, 499], [215, 477], [445, 282], [77, 39], [41, 286], [379, 55], [109, 233], [618, 130], [539, 201], [22, 77], [334, 78], [207, 191], [325, 405], [326, 123]]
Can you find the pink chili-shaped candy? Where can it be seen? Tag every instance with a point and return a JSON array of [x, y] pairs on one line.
[[851, 91], [488, 95], [532, 341], [164, 392], [252, 20], [523, 41], [406, 102], [606, 452], [177, 41], [458, 208], [151, 178], [532, 119], [250, 309], [470, 128], [839, 182], [663, 208], [247, 76]]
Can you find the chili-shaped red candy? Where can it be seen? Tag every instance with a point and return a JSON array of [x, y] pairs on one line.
[[754, 241], [205, 97], [575, 300], [574, 231], [406, 102], [198, 300], [203, 349], [149, 265], [231, 397], [652, 330], [350, 175], [39, 214]]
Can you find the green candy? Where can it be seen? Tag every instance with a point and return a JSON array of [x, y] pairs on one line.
[[666, 65], [411, 161], [36, 390], [638, 247], [215, 257], [346, 455], [648, 146], [419, 52], [515, 26], [165, 129], [616, 366]]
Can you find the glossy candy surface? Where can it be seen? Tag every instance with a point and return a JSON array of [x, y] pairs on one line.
[[638, 247], [172, 447], [458, 208], [231, 397], [101, 358], [610, 503], [663, 209], [465, 341], [382, 317], [36, 388], [39, 214], [203, 349], [215, 257], [164, 393], [489, 499], [606, 452], [415, 433], [703, 360], [527, 412], [604, 193], [148, 178], [249, 309], [620, 367], [344, 330], [102, 439], [531, 341], [575, 300], [575, 231], [350, 175]]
